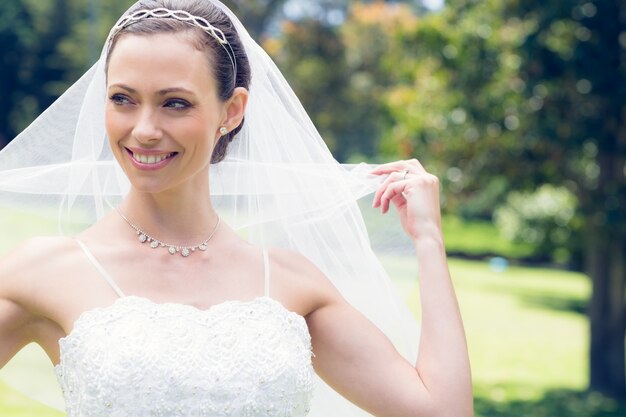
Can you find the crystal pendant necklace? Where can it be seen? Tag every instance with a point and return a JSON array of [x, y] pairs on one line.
[[185, 251]]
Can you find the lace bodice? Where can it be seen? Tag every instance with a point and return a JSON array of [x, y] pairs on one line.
[[140, 358]]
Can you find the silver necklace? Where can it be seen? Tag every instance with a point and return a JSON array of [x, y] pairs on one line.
[[185, 251]]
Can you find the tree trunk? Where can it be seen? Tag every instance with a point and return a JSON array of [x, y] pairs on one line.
[[606, 313], [605, 264]]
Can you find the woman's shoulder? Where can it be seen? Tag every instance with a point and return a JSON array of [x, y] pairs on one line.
[[289, 263], [33, 279], [40, 247], [36, 256], [299, 277]]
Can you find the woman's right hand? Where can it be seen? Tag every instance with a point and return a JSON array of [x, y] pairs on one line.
[[415, 194]]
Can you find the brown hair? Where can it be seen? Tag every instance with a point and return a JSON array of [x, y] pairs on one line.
[[219, 57]]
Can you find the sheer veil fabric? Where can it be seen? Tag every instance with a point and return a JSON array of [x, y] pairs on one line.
[[279, 186]]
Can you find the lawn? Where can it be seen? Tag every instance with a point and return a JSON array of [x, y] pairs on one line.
[[527, 336], [13, 404]]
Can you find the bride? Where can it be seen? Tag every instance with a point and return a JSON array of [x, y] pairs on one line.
[[226, 266]]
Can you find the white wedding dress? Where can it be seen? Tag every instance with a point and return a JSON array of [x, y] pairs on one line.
[[138, 358]]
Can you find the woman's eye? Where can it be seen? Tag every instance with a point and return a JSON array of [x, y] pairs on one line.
[[177, 104], [119, 99]]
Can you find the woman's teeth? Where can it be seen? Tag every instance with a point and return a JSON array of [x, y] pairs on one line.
[[150, 159]]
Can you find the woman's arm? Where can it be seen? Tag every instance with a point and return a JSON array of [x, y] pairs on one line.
[[15, 320], [26, 290], [443, 361], [354, 357]]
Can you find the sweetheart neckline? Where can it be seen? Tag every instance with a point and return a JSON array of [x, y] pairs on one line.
[[170, 304]]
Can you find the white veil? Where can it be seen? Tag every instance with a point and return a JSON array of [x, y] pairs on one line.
[[279, 185]]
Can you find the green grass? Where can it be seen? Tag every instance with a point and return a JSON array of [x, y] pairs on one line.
[[528, 340], [13, 404], [525, 329], [480, 238], [476, 238]]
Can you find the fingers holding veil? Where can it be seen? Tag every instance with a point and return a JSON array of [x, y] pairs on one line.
[[415, 194]]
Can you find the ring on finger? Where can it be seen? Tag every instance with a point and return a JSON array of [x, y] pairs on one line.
[[404, 174]]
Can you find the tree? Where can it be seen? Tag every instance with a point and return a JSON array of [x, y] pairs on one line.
[[578, 52], [45, 48], [15, 20], [524, 93], [256, 15], [456, 104], [339, 72], [312, 56]]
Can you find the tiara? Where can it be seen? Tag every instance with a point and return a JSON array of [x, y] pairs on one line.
[[183, 16]]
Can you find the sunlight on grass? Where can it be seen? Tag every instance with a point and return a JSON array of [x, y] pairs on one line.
[[16, 227], [480, 238], [525, 332], [13, 404], [526, 328]]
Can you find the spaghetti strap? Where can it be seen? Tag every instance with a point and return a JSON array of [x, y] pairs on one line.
[[100, 269], [266, 267]]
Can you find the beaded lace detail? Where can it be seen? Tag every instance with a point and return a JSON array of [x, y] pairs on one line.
[[140, 358]]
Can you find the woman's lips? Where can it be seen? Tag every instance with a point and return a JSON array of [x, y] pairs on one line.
[[150, 160]]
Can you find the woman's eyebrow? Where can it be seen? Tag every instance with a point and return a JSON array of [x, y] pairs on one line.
[[123, 87], [174, 90], [160, 92]]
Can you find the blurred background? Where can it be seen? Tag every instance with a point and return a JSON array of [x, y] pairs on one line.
[[519, 106]]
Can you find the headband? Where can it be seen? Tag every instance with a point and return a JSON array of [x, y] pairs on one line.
[[180, 15]]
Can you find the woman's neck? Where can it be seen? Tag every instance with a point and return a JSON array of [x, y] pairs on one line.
[[181, 216]]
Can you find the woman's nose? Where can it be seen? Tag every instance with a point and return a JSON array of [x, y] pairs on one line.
[[147, 128]]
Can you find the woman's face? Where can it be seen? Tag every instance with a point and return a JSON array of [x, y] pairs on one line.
[[163, 113]]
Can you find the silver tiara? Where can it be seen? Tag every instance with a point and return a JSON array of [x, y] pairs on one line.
[[183, 16]]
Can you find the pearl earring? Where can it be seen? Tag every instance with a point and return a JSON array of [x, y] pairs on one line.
[[223, 130]]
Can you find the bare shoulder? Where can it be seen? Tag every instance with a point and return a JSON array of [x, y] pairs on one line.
[[28, 278], [32, 252], [21, 269], [295, 277]]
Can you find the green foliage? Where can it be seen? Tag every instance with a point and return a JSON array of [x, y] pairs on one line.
[[529, 93], [574, 60], [44, 47], [313, 58], [460, 107], [574, 63], [545, 219], [341, 73], [256, 15], [480, 239], [559, 402], [15, 39]]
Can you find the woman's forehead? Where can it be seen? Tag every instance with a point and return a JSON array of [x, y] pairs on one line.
[[159, 57]]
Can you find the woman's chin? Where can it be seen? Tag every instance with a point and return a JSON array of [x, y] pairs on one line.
[[149, 185]]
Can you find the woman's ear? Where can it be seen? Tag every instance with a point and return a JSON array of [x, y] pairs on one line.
[[235, 108]]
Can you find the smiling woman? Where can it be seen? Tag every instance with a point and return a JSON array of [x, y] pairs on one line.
[[216, 324], [157, 125]]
